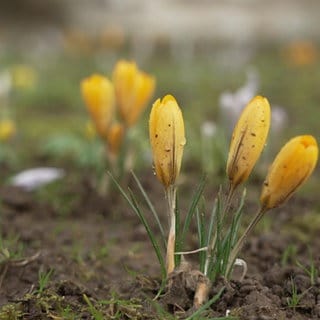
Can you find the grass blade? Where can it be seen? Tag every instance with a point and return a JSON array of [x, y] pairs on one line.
[[177, 258], [201, 236], [194, 203], [150, 234], [134, 205], [151, 207], [196, 314]]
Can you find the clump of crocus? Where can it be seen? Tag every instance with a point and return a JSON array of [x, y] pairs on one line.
[[115, 105], [247, 143], [167, 137], [219, 238], [291, 168]]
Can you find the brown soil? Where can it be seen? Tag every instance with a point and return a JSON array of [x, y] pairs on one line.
[[101, 257]]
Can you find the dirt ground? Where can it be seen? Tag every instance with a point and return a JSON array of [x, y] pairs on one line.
[[100, 264]]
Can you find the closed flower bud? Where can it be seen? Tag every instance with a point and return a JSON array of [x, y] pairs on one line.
[[248, 140], [133, 89], [115, 137], [166, 130], [291, 168], [98, 94]]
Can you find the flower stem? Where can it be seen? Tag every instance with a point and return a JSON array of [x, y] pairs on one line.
[[241, 241], [171, 197], [214, 236]]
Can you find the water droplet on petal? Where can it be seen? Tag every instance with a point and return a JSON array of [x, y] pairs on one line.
[[154, 170], [183, 142]]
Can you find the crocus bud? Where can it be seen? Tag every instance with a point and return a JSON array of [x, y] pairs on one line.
[[248, 140], [166, 130], [98, 94], [133, 89], [115, 137], [290, 169]]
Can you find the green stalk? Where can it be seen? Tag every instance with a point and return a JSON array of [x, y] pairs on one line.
[[151, 207], [239, 244], [170, 256], [216, 217], [134, 205]]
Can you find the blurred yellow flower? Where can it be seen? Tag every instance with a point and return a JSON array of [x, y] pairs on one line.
[[248, 140], [301, 53], [291, 168], [115, 137], [23, 76], [98, 94], [7, 129], [133, 89], [167, 137]]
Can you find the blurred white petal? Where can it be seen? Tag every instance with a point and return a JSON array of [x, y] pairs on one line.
[[5, 83], [35, 178], [208, 129], [231, 104]]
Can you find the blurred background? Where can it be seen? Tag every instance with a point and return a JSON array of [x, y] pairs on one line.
[[213, 56]]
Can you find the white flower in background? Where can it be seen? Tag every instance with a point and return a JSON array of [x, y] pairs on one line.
[[231, 104], [208, 129], [5, 84], [209, 132], [35, 178], [279, 119]]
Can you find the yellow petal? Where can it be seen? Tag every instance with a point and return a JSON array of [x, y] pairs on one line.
[[167, 138], [133, 90], [124, 75], [248, 140], [291, 168], [7, 129], [115, 137], [98, 94]]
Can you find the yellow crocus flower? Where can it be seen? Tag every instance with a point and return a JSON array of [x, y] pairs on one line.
[[291, 168], [24, 76], [98, 94], [7, 129], [248, 140], [115, 137], [167, 137], [133, 89]]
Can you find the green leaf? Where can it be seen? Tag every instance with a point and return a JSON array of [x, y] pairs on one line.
[[151, 207], [196, 315], [134, 205], [191, 211]]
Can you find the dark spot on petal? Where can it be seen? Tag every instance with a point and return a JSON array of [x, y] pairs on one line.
[[253, 134]]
